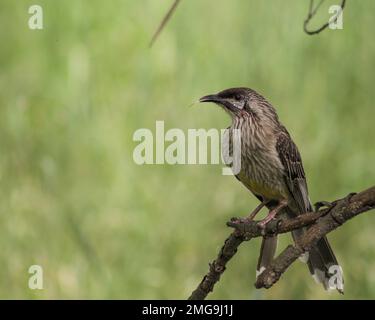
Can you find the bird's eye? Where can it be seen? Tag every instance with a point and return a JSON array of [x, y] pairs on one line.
[[237, 97]]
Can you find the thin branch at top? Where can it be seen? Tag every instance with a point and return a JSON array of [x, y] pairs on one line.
[[310, 15], [164, 21]]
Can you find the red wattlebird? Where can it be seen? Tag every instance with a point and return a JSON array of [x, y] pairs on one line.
[[271, 168]]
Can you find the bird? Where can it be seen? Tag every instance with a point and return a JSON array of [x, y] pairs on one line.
[[272, 170]]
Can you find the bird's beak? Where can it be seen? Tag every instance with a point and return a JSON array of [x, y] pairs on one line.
[[218, 100], [210, 98]]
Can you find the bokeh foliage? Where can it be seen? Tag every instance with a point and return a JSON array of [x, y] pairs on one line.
[[71, 96]]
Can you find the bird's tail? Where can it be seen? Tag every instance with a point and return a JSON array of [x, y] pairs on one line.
[[320, 259], [267, 252], [322, 263]]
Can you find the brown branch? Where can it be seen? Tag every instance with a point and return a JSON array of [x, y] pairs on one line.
[[322, 222], [343, 211], [164, 21], [313, 11], [217, 267]]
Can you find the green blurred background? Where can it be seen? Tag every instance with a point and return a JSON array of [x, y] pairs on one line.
[[71, 96]]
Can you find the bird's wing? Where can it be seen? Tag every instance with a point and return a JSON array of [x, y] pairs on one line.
[[294, 174]]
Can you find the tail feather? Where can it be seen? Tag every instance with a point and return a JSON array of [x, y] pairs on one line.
[[320, 259], [323, 264], [267, 252]]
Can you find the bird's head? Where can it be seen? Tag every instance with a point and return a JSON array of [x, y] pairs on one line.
[[242, 102]]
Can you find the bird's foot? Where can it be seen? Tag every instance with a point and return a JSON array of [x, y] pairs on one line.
[[272, 214], [239, 220], [329, 205], [322, 204], [251, 216], [255, 211]]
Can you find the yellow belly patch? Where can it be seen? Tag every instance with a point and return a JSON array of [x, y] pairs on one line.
[[266, 191]]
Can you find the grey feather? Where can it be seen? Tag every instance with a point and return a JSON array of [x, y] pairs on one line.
[[267, 253], [321, 256]]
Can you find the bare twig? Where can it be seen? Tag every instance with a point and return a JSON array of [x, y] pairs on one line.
[[321, 223], [313, 11], [310, 15], [164, 21]]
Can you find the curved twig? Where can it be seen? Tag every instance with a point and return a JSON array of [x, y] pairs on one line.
[[312, 13]]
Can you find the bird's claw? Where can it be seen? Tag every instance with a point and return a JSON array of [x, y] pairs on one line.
[[263, 223], [321, 204], [239, 220]]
